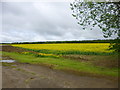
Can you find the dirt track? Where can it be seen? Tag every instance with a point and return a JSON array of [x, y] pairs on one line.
[[36, 76], [21, 75]]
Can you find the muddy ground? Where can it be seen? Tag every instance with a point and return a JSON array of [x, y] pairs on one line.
[[23, 75]]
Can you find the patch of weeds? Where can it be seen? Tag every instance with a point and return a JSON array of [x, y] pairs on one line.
[[9, 65], [28, 80], [32, 73], [13, 66], [19, 69], [43, 77]]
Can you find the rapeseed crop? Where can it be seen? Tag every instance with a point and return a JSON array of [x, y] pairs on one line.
[[69, 48]]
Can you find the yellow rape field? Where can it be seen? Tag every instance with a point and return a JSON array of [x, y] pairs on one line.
[[82, 47]]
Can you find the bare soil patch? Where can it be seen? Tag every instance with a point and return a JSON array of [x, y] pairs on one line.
[[8, 48]]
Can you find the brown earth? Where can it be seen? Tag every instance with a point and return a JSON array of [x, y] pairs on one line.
[[18, 75], [8, 48], [21, 75]]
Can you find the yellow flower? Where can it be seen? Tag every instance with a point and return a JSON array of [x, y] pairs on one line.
[[82, 47], [25, 52]]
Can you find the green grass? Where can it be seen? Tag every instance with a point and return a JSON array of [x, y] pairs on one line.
[[8, 64], [64, 64]]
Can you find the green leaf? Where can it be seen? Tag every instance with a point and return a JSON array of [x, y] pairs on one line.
[[71, 4], [105, 36], [74, 15]]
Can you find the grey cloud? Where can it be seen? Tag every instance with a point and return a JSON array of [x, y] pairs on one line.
[[31, 21]]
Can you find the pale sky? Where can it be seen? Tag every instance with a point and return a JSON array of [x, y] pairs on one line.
[[42, 21]]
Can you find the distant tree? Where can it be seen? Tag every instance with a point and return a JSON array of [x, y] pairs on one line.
[[105, 15]]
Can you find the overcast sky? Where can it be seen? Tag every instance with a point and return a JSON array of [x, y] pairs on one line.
[[42, 21]]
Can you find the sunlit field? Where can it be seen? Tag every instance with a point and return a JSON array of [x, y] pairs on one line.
[[69, 48]]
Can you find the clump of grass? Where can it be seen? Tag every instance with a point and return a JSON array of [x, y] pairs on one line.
[[19, 69]]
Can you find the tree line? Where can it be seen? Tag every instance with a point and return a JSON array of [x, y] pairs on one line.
[[53, 42]]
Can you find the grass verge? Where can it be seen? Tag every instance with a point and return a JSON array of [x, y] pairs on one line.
[[64, 64]]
